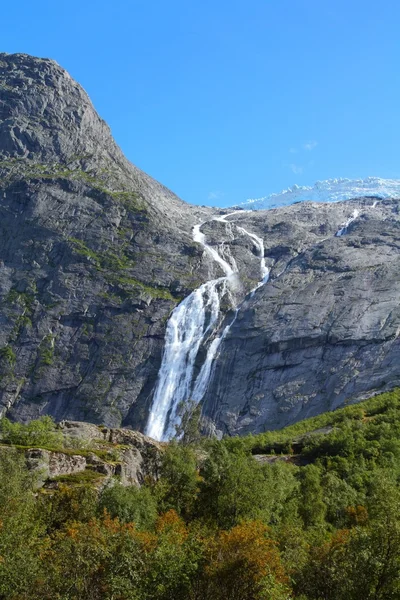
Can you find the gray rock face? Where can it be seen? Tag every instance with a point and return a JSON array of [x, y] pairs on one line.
[[138, 458], [325, 329], [94, 255], [52, 464]]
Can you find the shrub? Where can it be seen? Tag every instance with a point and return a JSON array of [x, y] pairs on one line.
[[40, 433], [130, 505]]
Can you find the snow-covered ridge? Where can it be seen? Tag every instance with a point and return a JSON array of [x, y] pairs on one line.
[[331, 190]]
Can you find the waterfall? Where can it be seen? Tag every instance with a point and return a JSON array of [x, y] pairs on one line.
[[204, 376], [194, 322], [344, 226], [191, 323]]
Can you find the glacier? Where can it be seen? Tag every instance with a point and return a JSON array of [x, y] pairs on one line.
[[330, 190]]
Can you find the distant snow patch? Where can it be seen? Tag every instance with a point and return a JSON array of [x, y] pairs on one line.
[[331, 190]]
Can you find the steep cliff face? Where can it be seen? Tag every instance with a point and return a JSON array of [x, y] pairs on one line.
[[324, 330], [94, 256]]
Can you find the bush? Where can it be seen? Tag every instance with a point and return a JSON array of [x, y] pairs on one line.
[[130, 505], [39, 433]]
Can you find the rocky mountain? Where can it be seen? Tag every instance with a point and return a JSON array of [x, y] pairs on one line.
[[325, 329], [95, 255]]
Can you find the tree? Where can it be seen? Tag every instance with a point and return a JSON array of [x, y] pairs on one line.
[[20, 527], [338, 495], [312, 508], [130, 505], [173, 564], [101, 559], [235, 487], [179, 482], [39, 433], [244, 564], [68, 504]]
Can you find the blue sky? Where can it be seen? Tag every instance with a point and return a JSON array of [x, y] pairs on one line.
[[227, 100]]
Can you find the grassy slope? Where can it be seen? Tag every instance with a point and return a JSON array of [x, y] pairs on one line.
[[387, 405]]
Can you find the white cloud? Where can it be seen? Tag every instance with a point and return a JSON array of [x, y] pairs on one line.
[[297, 170], [310, 145]]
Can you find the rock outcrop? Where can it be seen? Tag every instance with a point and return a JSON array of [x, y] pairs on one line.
[[129, 455]]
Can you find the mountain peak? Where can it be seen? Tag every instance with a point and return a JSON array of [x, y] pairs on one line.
[[48, 121], [45, 115]]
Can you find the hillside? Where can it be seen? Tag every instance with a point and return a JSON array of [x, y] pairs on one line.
[[321, 509]]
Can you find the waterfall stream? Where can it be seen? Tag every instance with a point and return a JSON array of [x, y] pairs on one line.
[[190, 325], [344, 226], [194, 322]]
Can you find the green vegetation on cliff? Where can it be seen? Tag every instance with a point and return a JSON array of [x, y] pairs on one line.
[[16, 169], [314, 515]]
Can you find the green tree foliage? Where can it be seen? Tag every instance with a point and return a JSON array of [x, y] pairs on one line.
[[20, 527], [68, 504], [312, 507], [130, 505], [40, 433], [317, 517], [178, 486], [174, 560], [234, 487], [245, 564]]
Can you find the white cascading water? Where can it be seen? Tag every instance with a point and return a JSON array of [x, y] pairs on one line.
[[203, 378], [190, 324], [259, 243], [344, 226]]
